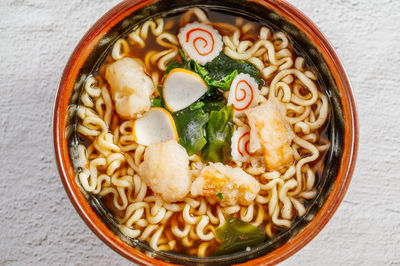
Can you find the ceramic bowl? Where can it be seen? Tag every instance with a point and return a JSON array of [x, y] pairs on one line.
[[342, 130]]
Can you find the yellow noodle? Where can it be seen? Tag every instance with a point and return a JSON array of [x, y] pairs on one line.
[[110, 164]]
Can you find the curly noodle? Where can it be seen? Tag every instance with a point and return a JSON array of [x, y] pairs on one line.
[[110, 163]]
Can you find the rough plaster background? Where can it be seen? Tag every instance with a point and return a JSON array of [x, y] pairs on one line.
[[39, 225]]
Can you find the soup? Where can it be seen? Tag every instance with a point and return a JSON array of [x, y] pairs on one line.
[[203, 133]]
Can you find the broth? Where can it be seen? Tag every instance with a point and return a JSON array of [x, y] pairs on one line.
[[222, 21]]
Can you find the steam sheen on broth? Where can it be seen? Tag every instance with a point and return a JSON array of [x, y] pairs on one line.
[[245, 144]]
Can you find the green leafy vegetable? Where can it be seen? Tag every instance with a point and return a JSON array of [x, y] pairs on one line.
[[214, 102], [237, 235], [190, 126], [219, 132], [207, 125], [156, 102], [225, 84], [191, 122], [171, 65], [222, 66], [186, 64], [183, 56], [220, 196], [200, 70], [196, 105]]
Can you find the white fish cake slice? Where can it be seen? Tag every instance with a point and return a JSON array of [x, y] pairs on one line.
[[241, 144], [200, 42], [157, 125], [181, 88], [243, 94]]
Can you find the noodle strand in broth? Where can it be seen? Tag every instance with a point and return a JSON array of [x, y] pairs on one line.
[[111, 158]]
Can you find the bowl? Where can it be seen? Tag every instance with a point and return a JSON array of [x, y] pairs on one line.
[[342, 130]]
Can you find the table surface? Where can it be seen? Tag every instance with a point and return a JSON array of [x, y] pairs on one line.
[[39, 224]]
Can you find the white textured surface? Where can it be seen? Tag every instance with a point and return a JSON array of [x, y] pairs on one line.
[[39, 225]]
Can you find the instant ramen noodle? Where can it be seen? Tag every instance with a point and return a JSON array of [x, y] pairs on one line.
[[202, 136]]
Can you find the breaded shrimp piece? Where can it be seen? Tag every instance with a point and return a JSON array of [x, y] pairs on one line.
[[165, 170], [131, 87], [271, 133], [226, 185]]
